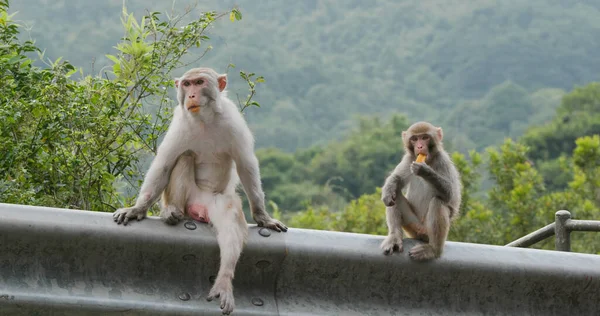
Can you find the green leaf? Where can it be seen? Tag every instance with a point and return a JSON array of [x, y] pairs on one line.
[[70, 73], [113, 58], [25, 63], [14, 59]]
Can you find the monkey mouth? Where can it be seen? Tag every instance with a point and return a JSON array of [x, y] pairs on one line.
[[193, 107]]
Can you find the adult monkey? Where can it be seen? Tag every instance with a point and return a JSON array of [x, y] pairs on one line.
[[433, 194], [208, 144]]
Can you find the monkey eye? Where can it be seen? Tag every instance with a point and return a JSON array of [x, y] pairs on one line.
[[425, 137], [186, 83], [413, 139], [200, 81]]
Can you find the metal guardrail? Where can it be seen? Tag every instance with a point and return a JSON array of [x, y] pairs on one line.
[[67, 262], [562, 227]]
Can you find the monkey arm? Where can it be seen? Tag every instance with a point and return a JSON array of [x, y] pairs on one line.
[[159, 173], [396, 181], [441, 184], [155, 181], [248, 170], [249, 173]]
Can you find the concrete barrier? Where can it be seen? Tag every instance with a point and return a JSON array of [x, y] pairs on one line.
[[67, 262]]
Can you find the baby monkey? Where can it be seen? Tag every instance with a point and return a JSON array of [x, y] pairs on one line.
[[433, 193]]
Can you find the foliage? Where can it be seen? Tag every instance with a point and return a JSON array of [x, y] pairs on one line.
[[77, 143], [518, 186], [578, 115], [76, 140], [325, 62], [517, 205], [476, 223], [505, 111], [337, 172], [363, 215], [363, 159]]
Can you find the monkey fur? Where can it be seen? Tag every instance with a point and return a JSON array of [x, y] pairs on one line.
[[207, 151], [433, 194]]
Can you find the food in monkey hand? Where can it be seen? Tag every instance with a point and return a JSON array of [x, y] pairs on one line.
[[421, 158]]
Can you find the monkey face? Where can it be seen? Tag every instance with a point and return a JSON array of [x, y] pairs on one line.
[[196, 93], [422, 138], [198, 90], [421, 144]]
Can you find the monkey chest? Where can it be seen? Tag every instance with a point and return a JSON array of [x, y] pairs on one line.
[[419, 192], [212, 169]]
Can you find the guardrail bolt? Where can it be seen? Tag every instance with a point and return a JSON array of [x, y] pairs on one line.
[[212, 279], [184, 296], [190, 225], [257, 301], [265, 232], [188, 257], [263, 264]]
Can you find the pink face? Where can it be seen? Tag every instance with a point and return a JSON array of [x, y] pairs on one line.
[[197, 90], [420, 143], [192, 90]]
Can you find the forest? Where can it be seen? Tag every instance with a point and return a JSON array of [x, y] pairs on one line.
[[87, 94]]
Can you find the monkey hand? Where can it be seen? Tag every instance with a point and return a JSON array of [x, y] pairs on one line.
[[123, 215], [388, 196], [264, 220], [420, 168]]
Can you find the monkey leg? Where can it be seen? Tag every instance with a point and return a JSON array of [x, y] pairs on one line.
[[437, 223], [412, 224], [393, 241], [232, 230], [399, 216], [177, 192]]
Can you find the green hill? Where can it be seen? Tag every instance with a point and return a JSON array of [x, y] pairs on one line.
[[325, 62]]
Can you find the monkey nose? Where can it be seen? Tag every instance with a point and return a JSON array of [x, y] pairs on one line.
[[191, 96]]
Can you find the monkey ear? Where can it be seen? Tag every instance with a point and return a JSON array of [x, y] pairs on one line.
[[176, 82], [222, 80], [439, 133], [404, 135]]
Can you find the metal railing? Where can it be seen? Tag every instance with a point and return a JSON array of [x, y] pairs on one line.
[[562, 227], [68, 262]]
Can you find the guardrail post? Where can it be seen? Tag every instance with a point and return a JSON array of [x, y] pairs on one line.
[[562, 233]]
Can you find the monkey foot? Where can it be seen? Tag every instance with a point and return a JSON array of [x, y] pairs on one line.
[[171, 215], [422, 252], [198, 212], [223, 290], [392, 243]]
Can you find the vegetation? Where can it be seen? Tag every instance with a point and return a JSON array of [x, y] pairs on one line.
[[509, 82], [327, 61], [78, 143]]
